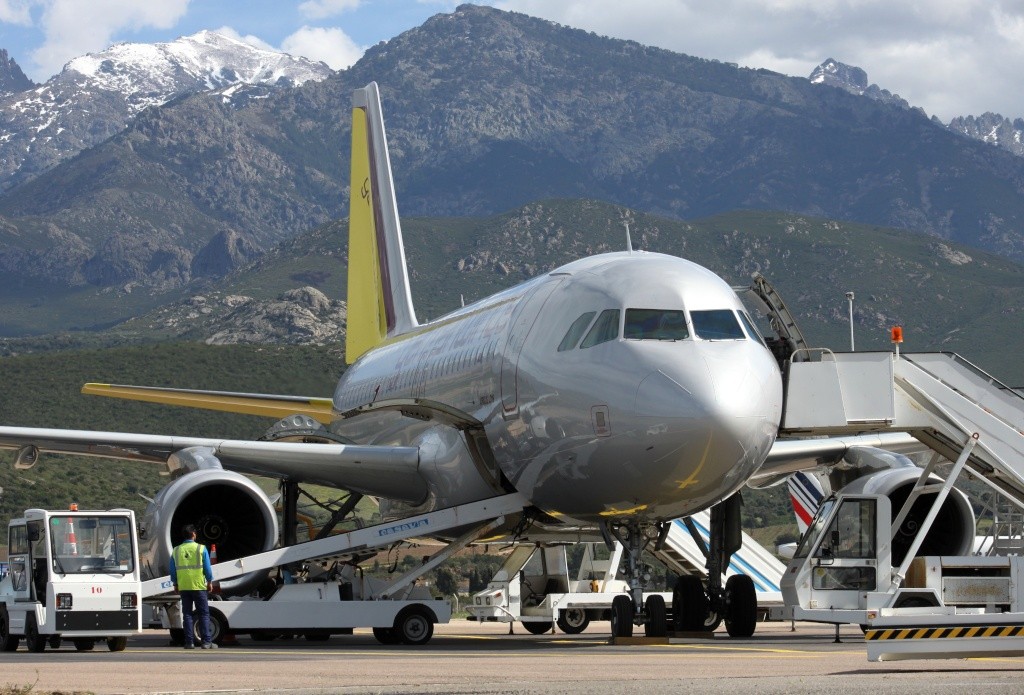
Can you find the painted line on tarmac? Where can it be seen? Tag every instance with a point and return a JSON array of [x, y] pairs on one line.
[[534, 652]]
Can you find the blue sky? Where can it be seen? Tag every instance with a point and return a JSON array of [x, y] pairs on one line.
[[950, 57]]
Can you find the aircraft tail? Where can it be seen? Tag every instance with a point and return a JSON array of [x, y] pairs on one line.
[[379, 298], [805, 493]]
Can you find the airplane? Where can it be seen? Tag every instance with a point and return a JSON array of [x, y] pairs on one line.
[[615, 393]]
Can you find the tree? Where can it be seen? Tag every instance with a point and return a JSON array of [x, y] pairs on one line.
[[446, 581]]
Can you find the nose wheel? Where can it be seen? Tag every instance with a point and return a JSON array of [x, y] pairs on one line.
[[632, 610]]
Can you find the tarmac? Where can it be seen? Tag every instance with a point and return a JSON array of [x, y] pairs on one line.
[[469, 657]]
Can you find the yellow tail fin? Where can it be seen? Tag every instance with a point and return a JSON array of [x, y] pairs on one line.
[[379, 299]]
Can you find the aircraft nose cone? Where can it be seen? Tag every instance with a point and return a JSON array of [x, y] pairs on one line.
[[677, 395], [748, 398]]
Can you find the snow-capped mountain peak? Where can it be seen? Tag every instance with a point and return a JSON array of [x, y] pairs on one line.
[[96, 95], [836, 74], [206, 58], [854, 80]]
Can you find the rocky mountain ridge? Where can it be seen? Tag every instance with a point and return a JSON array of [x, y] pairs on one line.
[[853, 80], [300, 316], [991, 128], [486, 111], [12, 79], [96, 95]]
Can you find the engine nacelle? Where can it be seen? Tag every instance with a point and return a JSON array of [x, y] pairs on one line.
[[952, 532], [226, 508]]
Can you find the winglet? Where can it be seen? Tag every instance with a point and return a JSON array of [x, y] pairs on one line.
[[379, 298]]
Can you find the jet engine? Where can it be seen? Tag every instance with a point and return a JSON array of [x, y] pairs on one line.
[[226, 508], [876, 471]]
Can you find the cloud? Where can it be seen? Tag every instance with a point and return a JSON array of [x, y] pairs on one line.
[[319, 9], [16, 12], [951, 57], [331, 45], [246, 38], [73, 27]]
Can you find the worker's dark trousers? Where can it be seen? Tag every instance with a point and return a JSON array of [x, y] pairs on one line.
[[195, 601]]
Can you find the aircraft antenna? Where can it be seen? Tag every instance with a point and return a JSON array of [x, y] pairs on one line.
[[629, 241]]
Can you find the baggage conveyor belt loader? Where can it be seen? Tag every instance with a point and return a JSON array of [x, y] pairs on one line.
[[398, 611], [534, 587]]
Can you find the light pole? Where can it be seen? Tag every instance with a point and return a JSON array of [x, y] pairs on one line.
[[849, 298]]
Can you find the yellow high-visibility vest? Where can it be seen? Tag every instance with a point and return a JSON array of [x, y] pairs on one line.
[[188, 567]]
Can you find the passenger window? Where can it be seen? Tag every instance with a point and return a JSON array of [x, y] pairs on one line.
[[572, 336], [751, 328], [605, 328], [655, 324], [716, 324]]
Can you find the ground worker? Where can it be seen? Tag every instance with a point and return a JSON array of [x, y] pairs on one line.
[[193, 578]]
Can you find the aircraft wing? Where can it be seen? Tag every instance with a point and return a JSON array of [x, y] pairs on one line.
[[381, 471], [791, 455]]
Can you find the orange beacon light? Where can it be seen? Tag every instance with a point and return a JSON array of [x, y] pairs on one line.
[[897, 338]]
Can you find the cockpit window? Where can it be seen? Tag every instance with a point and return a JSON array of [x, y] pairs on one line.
[[655, 324], [572, 336], [605, 328], [716, 324], [751, 328]]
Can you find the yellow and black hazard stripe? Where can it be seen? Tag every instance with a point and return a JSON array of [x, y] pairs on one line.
[[880, 634]]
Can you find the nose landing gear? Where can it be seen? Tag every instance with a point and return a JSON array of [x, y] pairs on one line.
[[631, 610]]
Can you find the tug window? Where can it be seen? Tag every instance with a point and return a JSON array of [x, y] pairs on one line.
[[716, 324], [655, 324], [572, 336], [605, 328]]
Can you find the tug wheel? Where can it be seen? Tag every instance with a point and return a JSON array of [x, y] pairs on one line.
[[413, 626], [573, 621], [8, 642]]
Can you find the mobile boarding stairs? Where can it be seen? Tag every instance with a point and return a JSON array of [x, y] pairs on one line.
[[939, 398], [966, 417]]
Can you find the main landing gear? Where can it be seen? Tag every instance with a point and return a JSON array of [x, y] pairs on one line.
[[695, 607]]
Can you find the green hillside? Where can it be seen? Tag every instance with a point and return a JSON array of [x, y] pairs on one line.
[[946, 296], [43, 391]]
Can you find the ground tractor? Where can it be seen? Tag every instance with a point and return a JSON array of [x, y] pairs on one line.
[[71, 575]]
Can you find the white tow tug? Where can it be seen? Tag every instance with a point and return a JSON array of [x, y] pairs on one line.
[[71, 575]]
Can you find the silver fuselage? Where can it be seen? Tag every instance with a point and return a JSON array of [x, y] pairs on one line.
[[648, 429]]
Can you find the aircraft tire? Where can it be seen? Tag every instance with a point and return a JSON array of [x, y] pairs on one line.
[[690, 606], [741, 602], [622, 616], [657, 616]]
